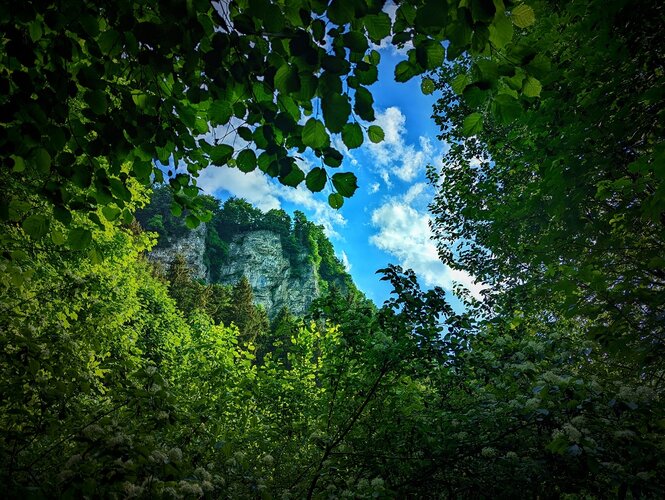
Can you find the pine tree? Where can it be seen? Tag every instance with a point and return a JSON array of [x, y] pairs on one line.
[[261, 329], [219, 303], [243, 310], [188, 293]]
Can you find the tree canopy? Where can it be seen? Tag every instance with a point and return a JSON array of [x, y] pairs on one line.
[[90, 101], [561, 201]]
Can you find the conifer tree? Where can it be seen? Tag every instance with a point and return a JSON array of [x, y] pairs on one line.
[[260, 329], [219, 303], [243, 310], [188, 293]]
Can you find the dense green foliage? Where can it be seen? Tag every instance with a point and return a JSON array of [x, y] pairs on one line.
[[121, 380], [304, 243], [111, 388], [91, 95], [563, 202]]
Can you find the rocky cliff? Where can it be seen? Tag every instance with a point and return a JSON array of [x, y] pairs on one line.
[[259, 256], [192, 246], [288, 260]]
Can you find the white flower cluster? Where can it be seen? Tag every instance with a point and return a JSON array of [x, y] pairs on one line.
[[488, 452], [175, 455], [93, 431], [159, 457], [132, 490], [572, 433], [190, 488], [624, 434]]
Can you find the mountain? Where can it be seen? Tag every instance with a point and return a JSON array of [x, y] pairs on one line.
[[287, 260]]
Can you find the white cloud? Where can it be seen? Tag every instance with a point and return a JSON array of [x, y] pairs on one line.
[[404, 232], [393, 156], [266, 194], [374, 188], [345, 262], [415, 193], [254, 186]]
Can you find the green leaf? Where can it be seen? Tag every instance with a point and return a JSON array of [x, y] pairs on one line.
[[404, 71], [378, 26], [246, 160], [336, 200], [42, 160], [142, 168], [35, 30], [308, 85], [79, 238], [111, 213], [341, 11], [482, 10], [63, 215], [430, 54], [363, 104], [532, 87], [192, 222], [36, 226], [431, 17], [19, 164], [472, 124], [366, 76], [459, 83], [57, 237], [96, 100], [221, 154], [336, 110], [355, 41], [501, 31], [375, 134], [427, 86], [294, 177], [352, 135], [474, 96], [316, 179], [220, 112], [506, 108], [286, 79], [110, 43], [119, 190], [540, 66], [314, 134], [332, 157], [345, 183], [523, 16]]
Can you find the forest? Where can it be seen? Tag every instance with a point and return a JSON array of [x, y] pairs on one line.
[[123, 379]]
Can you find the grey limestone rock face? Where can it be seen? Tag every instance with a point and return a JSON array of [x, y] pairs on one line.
[[192, 247], [259, 257]]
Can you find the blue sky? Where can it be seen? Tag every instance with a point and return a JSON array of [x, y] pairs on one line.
[[386, 221]]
